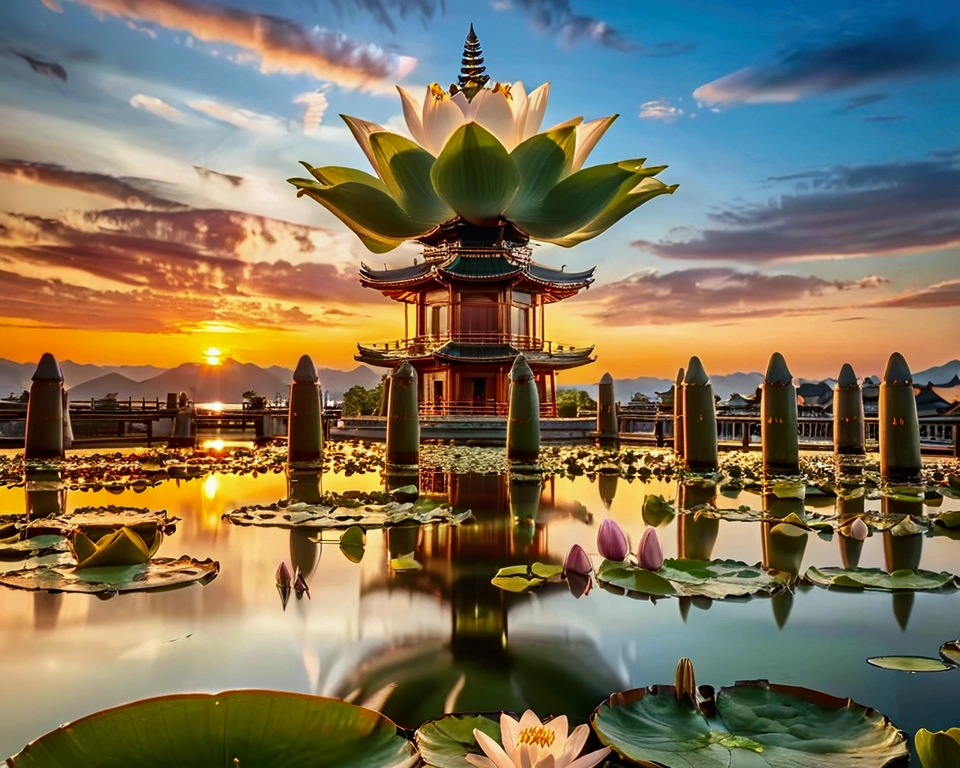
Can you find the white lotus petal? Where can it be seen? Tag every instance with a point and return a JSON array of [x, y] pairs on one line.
[[588, 135], [572, 121], [361, 130], [536, 106], [521, 105], [591, 759], [529, 719], [493, 111], [509, 733], [493, 750], [411, 113], [573, 746], [441, 117], [466, 106], [559, 726], [480, 761]]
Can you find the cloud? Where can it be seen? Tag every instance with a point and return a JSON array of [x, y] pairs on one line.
[[856, 102], [712, 294], [119, 190], [316, 103], [943, 295], [901, 50], [208, 174], [280, 45], [660, 110], [557, 18], [42, 67], [245, 119], [158, 107], [876, 209]]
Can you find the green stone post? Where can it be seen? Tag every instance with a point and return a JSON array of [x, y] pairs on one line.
[[44, 430], [899, 425], [699, 419], [403, 419], [607, 428], [779, 434], [848, 435], [678, 415], [523, 419], [304, 420]]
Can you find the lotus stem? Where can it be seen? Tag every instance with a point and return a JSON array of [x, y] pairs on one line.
[[778, 427], [699, 419]]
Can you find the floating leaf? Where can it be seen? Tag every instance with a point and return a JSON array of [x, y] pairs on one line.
[[523, 578], [657, 511], [909, 663], [716, 579], [353, 543], [874, 578], [782, 726], [301, 515], [789, 489], [268, 729], [405, 563], [949, 519], [160, 574], [444, 742], [36, 546], [950, 652]]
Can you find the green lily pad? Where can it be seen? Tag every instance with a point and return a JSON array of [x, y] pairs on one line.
[[950, 652], [949, 519], [302, 515], [159, 574], [657, 511], [780, 726], [444, 742], [353, 543], [268, 729], [716, 579], [789, 489], [35, 546], [909, 663], [523, 578], [874, 578]]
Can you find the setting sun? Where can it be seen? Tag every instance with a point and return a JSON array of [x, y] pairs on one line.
[[212, 356]]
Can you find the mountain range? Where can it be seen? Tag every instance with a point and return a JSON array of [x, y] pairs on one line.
[[228, 381]]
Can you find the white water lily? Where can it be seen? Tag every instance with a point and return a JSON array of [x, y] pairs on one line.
[[530, 743], [505, 110]]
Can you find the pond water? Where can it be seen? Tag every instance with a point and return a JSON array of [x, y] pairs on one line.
[[443, 637]]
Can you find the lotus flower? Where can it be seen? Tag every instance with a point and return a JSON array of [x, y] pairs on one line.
[[283, 583], [123, 547], [858, 530], [649, 552], [612, 541], [477, 160], [577, 562], [532, 744], [300, 585], [940, 749]]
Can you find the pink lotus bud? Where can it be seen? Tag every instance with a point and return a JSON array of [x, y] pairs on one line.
[[859, 530], [300, 585], [611, 541], [579, 584], [283, 575], [649, 553], [577, 561]]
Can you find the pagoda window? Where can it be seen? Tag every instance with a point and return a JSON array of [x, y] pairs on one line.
[[437, 314], [521, 315], [479, 315]]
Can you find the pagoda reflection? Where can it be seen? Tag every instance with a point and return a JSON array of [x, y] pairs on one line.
[[480, 665]]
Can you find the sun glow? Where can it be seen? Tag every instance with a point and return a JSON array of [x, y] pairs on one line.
[[218, 407], [212, 356]]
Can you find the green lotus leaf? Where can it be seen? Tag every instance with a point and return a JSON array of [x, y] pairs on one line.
[[268, 729], [372, 214], [938, 750], [331, 175], [715, 579], [16, 548], [624, 203], [874, 578], [755, 723], [523, 578], [405, 169], [444, 742], [574, 202], [353, 543], [475, 175], [632, 579], [909, 663], [542, 160], [657, 511]]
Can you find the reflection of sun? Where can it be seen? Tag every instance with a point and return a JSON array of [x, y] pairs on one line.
[[210, 486], [214, 445], [212, 355]]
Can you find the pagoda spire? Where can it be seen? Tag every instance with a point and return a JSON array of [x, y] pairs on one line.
[[472, 73]]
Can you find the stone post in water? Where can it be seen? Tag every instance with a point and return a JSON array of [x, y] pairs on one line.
[[67, 424], [678, 415], [779, 435], [305, 415], [699, 419], [848, 435], [184, 434], [403, 419], [523, 418], [44, 430], [607, 428], [899, 425]]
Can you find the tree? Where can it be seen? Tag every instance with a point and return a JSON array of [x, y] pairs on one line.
[[359, 401], [570, 402]]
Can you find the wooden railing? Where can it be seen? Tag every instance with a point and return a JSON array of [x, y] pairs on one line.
[[474, 408], [421, 345]]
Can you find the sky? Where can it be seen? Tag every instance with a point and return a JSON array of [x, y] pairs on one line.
[[144, 147]]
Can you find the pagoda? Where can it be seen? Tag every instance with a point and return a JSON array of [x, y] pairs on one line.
[[474, 183]]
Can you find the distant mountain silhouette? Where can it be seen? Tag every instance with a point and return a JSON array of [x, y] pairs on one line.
[[724, 385], [939, 374]]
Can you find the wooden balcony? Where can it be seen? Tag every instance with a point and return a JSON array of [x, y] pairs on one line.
[[424, 346]]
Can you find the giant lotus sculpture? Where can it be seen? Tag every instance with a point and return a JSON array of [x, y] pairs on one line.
[[478, 164]]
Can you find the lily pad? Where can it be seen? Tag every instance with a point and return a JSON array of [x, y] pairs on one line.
[[523, 578], [444, 742], [353, 543], [874, 578], [716, 579], [949, 519], [407, 562], [35, 546], [301, 515], [657, 511], [950, 652], [754, 723], [269, 729], [909, 663], [159, 574]]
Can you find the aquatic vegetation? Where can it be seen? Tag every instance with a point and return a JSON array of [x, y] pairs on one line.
[[938, 750], [716, 579], [950, 652], [446, 741], [657, 511], [876, 579], [290, 514], [577, 561], [912, 664], [612, 541], [353, 543], [781, 726], [523, 578], [123, 547], [200, 729], [649, 551], [530, 743]]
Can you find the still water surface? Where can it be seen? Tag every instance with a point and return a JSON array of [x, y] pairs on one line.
[[444, 637]]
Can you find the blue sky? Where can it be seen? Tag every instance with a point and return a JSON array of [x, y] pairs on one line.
[[816, 145]]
